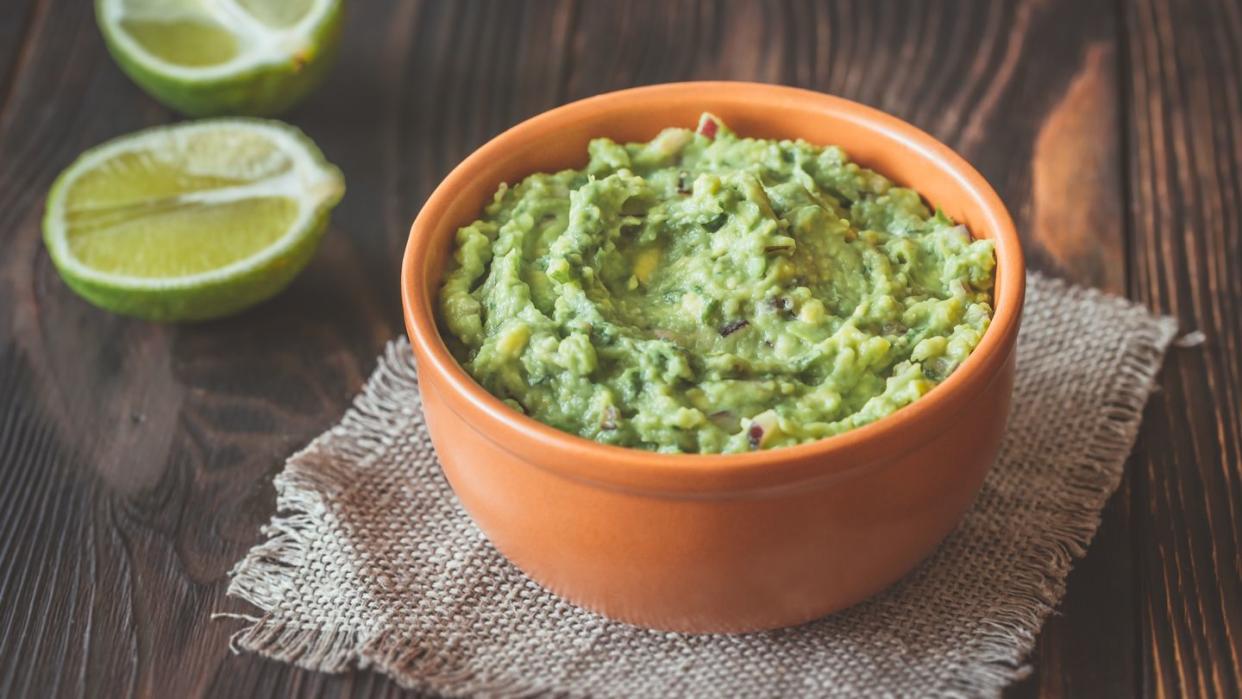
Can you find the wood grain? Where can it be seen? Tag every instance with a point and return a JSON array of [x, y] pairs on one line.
[[137, 459], [1076, 182], [16, 27], [1186, 258]]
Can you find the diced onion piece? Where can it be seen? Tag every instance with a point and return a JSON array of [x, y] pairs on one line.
[[762, 428], [708, 126]]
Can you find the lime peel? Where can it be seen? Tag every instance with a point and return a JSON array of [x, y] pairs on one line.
[[272, 68], [314, 185]]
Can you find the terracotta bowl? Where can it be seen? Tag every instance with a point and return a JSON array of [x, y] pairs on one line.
[[716, 543]]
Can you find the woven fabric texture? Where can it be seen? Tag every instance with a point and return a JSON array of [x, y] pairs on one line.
[[370, 561]]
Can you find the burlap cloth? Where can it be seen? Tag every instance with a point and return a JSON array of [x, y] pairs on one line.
[[370, 561]]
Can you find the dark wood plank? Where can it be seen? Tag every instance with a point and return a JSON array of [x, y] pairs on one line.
[[1077, 218], [1183, 73], [138, 458], [17, 24], [63, 570]]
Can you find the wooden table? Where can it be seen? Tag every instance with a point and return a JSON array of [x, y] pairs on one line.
[[137, 459]]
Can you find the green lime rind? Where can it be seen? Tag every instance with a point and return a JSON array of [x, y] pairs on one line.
[[260, 90], [205, 296], [202, 302]]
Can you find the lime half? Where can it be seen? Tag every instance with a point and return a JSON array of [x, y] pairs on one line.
[[215, 57], [191, 221]]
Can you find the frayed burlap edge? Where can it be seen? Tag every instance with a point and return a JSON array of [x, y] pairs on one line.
[[325, 469]]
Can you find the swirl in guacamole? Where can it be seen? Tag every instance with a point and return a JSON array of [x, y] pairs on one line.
[[705, 292]]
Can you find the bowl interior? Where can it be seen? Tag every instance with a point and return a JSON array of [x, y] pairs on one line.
[[871, 138], [558, 139]]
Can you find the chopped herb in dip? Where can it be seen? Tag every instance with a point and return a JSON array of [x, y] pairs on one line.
[[704, 292]]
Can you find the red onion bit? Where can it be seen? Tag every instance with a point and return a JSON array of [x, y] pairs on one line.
[[754, 435], [708, 127]]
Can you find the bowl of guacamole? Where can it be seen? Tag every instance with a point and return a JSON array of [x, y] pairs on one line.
[[710, 292], [713, 356]]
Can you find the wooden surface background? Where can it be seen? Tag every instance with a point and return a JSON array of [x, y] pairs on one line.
[[136, 460]]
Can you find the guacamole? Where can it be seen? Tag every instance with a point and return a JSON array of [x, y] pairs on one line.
[[705, 292]]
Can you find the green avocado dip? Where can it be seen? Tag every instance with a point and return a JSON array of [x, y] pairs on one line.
[[707, 293]]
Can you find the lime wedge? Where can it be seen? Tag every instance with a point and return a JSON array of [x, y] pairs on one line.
[[192, 221], [212, 57]]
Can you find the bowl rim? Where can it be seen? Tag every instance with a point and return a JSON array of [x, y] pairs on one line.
[[585, 459]]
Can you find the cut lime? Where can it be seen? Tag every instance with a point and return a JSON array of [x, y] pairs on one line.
[[191, 221], [210, 57]]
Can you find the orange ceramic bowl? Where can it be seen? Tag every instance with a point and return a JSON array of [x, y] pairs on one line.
[[716, 543]]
